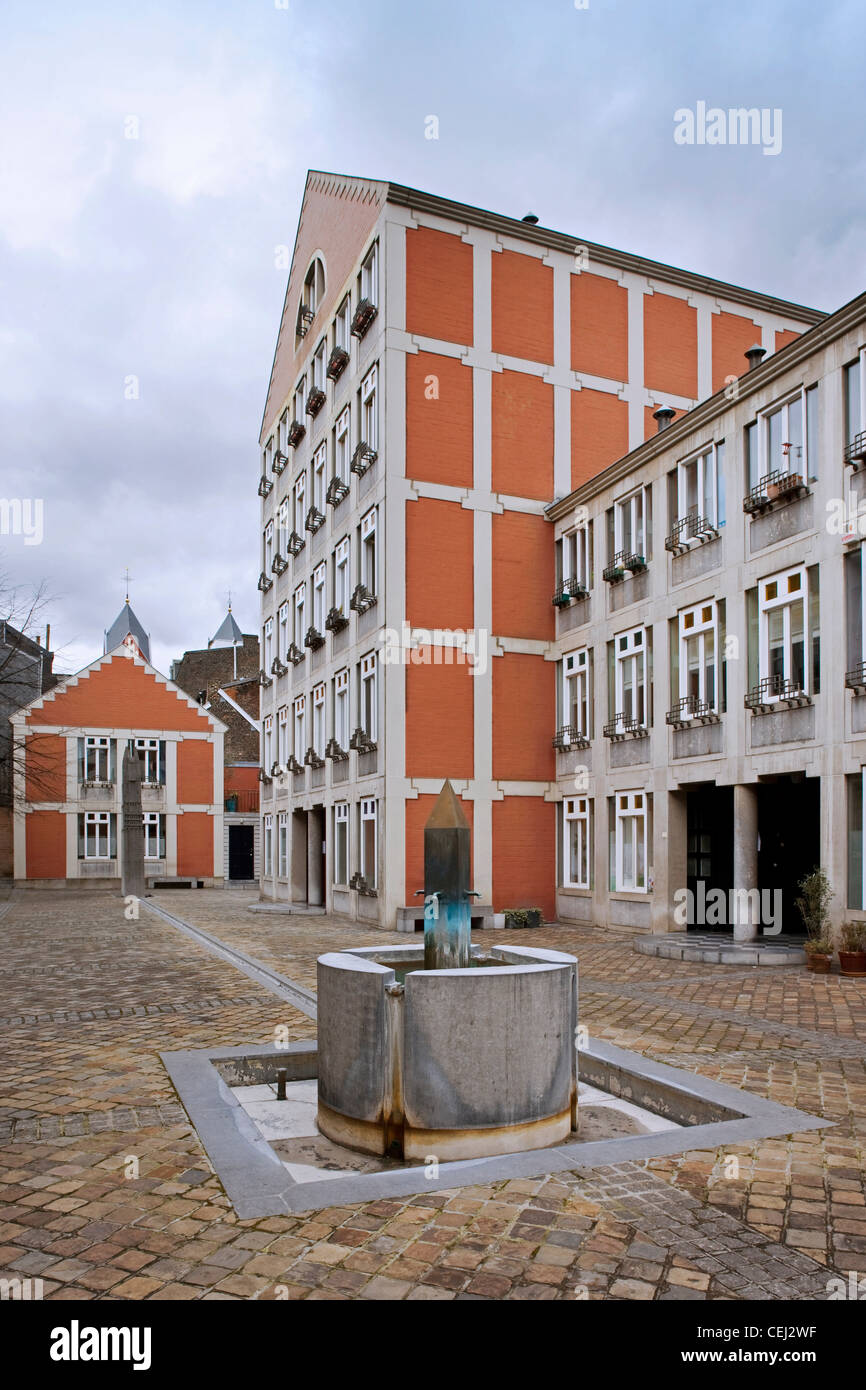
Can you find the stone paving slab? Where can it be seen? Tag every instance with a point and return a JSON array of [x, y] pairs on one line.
[[136, 1212]]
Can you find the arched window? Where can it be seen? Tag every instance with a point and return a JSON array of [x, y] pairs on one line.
[[311, 297]]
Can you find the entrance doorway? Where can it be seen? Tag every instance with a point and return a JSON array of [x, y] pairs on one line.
[[789, 840], [241, 843], [709, 850]]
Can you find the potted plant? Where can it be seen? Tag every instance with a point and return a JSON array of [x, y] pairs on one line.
[[523, 917], [813, 906], [852, 952]]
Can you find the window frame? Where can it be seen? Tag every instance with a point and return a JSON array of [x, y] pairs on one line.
[[577, 671], [698, 629], [639, 815], [577, 812], [367, 814], [623, 656], [369, 546], [341, 823]]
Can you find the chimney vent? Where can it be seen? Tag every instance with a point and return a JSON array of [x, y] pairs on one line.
[[754, 355], [664, 415], [530, 217]]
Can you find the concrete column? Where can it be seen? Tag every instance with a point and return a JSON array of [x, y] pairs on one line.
[[745, 860], [298, 867], [315, 865]]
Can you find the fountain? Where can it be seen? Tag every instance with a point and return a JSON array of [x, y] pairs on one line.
[[468, 1053]]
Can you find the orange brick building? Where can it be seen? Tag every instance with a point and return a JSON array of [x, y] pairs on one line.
[[67, 810], [441, 375]]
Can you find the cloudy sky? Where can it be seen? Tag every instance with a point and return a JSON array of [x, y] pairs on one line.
[[152, 156]]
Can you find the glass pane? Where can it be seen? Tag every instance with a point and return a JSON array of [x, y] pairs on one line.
[[693, 673], [795, 436], [776, 641], [708, 503], [369, 843], [798, 647], [640, 879], [775, 446], [627, 832], [710, 669]]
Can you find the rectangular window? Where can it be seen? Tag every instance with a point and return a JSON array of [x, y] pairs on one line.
[[269, 547], [152, 753], [283, 735], [632, 525], [98, 760], [368, 842], [300, 400], [700, 492], [630, 677], [268, 743], [299, 734], [788, 634], [300, 607], [854, 396], [700, 654], [319, 576], [300, 503], [576, 856], [268, 644], [577, 691], [630, 842], [343, 446], [283, 433], [342, 324], [575, 560], [341, 577], [283, 844], [855, 839], [320, 460], [318, 368], [341, 708], [283, 632], [97, 835], [368, 416], [369, 701], [319, 720], [370, 275], [341, 843], [283, 528], [268, 847], [784, 439], [154, 835], [368, 551]]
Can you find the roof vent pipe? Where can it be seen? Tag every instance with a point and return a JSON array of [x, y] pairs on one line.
[[530, 217], [754, 355], [664, 415]]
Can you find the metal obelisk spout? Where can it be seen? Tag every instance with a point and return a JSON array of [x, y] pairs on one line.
[[447, 906]]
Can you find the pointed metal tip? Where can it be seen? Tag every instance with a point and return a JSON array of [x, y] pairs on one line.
[[447, 814]]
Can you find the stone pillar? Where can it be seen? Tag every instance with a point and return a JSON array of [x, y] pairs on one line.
[[132, 829], [745, 861], [298, 868], [315, 861]]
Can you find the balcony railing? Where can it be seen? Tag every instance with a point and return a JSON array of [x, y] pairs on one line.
[[363, 458], [312, 759], [776, 690], [855, 454], [337, 490], [313, 639], [687, 529], [305, 318], [266, 485], [314, 520], [297, 430], [265, 582], [337, 363], [278, 667], [361, 742], [279, 463], [279, 564], [856, 678], [295, 655], [315, 401], [568, 737], [335, 752], [775, 487], [691, 710], [264, 679], [336, 620], [293, 766], [620, 727], [295, 544], [361, 599], [244, 801], [623, 560], [363, 317], [569, 589]]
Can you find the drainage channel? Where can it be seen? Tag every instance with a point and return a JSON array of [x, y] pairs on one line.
[[304, 1000]]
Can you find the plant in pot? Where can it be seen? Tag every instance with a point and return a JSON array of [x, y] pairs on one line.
[[523, 917], [852, 952], [813, 905]]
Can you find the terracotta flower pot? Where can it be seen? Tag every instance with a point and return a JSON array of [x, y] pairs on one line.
[[818, 963], [853, 963]]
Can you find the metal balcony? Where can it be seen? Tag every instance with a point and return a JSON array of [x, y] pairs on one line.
[[772, 691]]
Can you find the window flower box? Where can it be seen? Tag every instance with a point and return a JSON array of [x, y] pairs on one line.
[[337, 363], [363, 317]]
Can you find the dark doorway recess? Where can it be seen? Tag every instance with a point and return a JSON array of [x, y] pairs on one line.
[[709, 847], [789, 840], [241, 851]]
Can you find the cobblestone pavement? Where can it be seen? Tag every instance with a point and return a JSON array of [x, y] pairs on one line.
[[106, 1192]]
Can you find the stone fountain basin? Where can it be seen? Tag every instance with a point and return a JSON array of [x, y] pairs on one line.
[[452, 1064]]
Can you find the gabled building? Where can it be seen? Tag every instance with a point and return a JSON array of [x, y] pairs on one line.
[[224, 678], [67, 820], [441, 373], [26, 670]]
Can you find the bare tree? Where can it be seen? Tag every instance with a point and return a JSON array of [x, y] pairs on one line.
[[25, 674]]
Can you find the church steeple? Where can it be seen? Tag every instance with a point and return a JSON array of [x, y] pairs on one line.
[[127, 631]]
